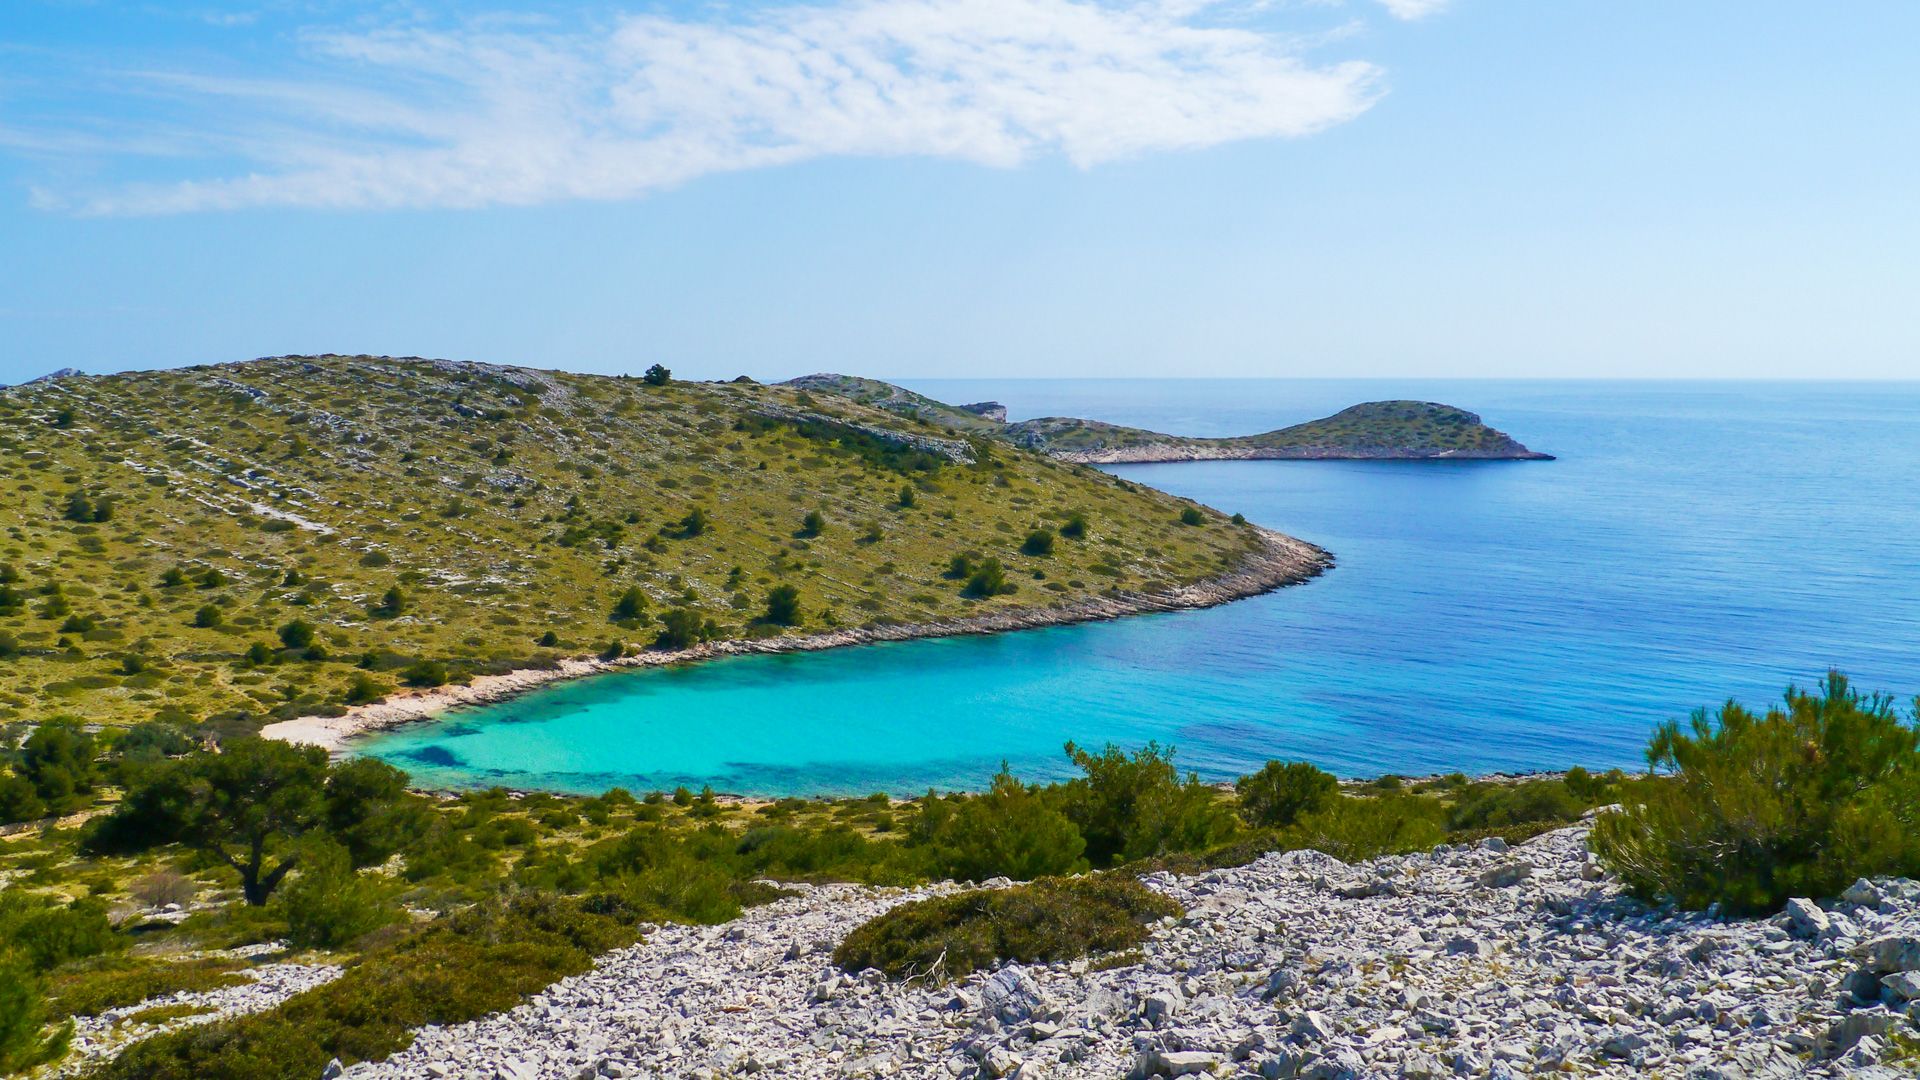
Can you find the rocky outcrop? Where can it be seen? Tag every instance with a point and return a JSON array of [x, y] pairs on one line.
[[1473, 962]]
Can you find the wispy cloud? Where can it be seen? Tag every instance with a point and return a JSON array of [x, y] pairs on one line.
[[507, 113], [1413, 9]]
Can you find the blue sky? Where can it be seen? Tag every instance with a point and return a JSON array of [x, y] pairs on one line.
[[1001, 188]]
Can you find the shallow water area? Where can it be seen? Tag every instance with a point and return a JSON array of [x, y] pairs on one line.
[[1695, 541]]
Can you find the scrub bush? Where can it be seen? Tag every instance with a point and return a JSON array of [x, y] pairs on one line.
[[1137, 807], [1352, 829], [1280, 792], [1759, 808], [1011, 831], [1047, 921]]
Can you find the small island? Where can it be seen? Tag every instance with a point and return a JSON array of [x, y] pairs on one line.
[[1372, 431]]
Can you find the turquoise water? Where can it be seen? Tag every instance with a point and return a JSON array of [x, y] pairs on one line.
[[1693, 542]]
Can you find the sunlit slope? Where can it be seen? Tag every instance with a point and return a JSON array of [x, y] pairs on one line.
[[159, 526]]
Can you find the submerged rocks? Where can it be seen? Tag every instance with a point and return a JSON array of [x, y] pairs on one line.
[[1469, 966]]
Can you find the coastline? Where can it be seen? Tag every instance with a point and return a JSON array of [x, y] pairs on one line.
[[1282, 560], [1164, 453]]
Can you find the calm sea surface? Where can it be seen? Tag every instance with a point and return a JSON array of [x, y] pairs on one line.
[[1695, 541]]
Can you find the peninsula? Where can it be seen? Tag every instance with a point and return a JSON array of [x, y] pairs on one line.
[[346, 540], [1374, 430]]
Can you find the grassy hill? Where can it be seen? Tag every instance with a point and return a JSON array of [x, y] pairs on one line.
[[1410, 430], [288, 536]]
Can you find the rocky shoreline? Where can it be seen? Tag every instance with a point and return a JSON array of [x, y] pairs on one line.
[[1474, 962], [1280, 561], [1160, 453]]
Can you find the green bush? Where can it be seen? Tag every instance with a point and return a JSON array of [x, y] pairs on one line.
[[1048, 921], [45, 935], [989, 578], [1281, 791], [1038, 542], [1010, 831], [1487, 807], [24, 1039], [1138, 807], [328, 904], [1192, 516], [783, 606], [1757, 809], [1354, 829]]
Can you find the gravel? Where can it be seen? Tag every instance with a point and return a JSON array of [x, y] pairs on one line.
[[1473, 962]]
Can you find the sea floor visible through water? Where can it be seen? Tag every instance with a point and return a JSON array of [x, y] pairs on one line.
[[1694, 542]]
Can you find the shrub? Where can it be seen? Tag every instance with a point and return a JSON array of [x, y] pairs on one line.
[[813, 524], [682, 628], [783, 606], [1281, 792], [1502, 806], [18, 800], [393, 603], [47, 935], [163, 887], [1797, 802], [657, 375], [1075, 526], [1048, 921], [123, 982], [631, 606], [988, 579], [1038, 542], [1192, 516], [365, 689], [1354, 829], [58, 760], [297, 634], [24, 1042], [328, 904], [207, 617], [1138, 807], [1009, 831], [906, 498], [425, 673]]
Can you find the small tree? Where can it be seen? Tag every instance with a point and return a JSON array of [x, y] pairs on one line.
[[392, 604], [297, 634], [1009, 831], [425, 674], [208, 617], [58, 760], [907, 498], [1075, 526], [989, 579], [813, 524], [657, 375], [365, 689], [694, 524], [631, 606], [1039, 542], [1192, 516], [1279, 794], [683, 628], [243, 806], [253, 804], [783, 606]]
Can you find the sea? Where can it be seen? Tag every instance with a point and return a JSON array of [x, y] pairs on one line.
[[1694, 542]]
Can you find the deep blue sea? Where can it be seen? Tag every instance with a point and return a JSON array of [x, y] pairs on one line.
[[1694, 542]]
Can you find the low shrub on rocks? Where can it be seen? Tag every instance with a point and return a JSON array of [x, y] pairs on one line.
[[1047, 921], [1760, 808], [466, 965], [121, 981]]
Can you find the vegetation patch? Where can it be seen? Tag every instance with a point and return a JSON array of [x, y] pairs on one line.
[[1047, 921], [130, 982], [1799, 801], [480, 961]]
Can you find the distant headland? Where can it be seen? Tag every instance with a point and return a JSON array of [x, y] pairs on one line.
[[1375, 430]]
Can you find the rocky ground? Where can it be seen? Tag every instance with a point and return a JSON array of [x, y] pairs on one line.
[[97, 1037], [1464, 962]]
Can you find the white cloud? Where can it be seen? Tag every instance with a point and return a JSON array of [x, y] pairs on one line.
[[508, 114], [1413, 9]]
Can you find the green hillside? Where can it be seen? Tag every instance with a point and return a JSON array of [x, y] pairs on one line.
[[282, 537]]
